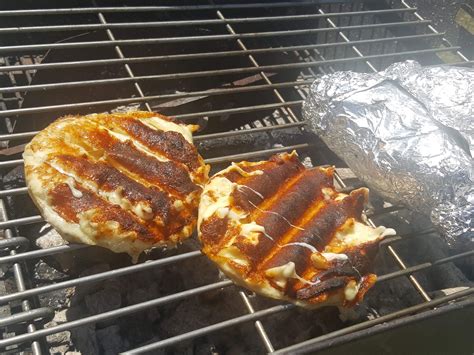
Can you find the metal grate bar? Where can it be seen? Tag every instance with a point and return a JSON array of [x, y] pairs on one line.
[[387, 318], [93, 44], [133, 100], [282, 105], [98, 277], [205, 73], [201, 137], [141, 306], [189, 56], [109, 9], [28, 255], [222, 159], [41, 252], [260, 329], [114, 314], [259, 326], [211, 92], [150, 24], [277, 309]]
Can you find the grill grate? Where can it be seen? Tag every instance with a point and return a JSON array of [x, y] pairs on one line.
[[157, 57]]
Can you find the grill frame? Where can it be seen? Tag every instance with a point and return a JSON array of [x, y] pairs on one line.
[[286, 107]]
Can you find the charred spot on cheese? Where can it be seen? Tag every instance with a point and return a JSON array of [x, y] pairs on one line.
[[125, 181], [70, 208], [166, 174], [110, 179], [170, 143], [287, 233]]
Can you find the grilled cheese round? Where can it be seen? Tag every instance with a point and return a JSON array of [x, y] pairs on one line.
[[283, 231], [127, 182]]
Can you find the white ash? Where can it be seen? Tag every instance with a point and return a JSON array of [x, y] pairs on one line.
[[50, 239]]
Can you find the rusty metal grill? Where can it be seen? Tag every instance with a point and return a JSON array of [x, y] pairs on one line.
[[239, 69]]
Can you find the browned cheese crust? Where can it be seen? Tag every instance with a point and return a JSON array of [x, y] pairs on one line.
[[283, 231], [125, 181]]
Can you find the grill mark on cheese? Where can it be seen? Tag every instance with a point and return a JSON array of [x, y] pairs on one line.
[[108, 178], [169, 175], [213, 231], [276, 172], [294, 202], [171, 144], [317, 232], [69, 207], [165, 174]]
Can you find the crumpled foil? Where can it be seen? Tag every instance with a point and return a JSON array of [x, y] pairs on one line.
[[408, 133]]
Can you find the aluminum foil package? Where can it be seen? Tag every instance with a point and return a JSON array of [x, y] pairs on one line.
[[408, 133]]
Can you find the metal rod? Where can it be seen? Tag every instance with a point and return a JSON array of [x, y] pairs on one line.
[[258, 325], [141, 41], [26, 316], [98, 277], [277, 309], [260, 329], [207, 55], [41, 253], [73, 84], [222, 159], [420, 267], [120, 312], [370, 323], [199, 114], [110, 9], [14, 192], [211, 328], [151, 24], [197, 138], [176, 258], [257, 154], [206, 73]]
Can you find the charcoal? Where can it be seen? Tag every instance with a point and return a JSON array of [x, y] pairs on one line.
[[60, 343], [103, 300], [110, 340], [85, 340], [49, 238]]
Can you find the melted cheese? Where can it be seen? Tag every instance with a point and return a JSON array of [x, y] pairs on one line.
[[335, 256], [351, 290], [216, 195], [242, 172], [72, 186], [355, 233], [123, 138], [251, 231], [143, 210], [240, 187], [300, 244], [281, 274], [233, 253]]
